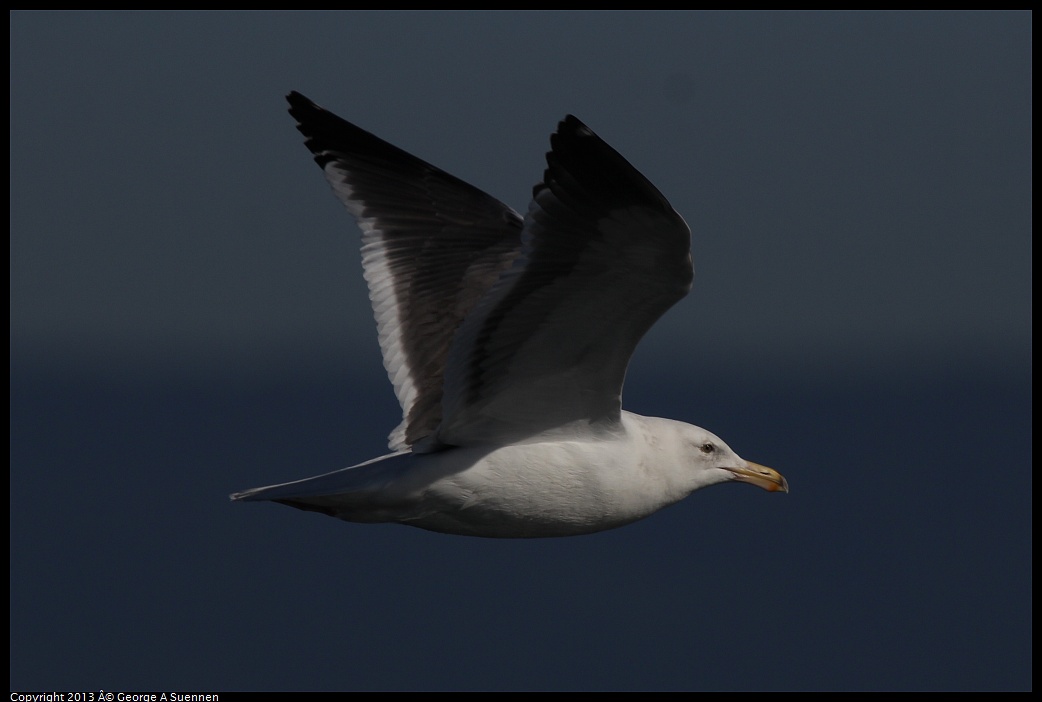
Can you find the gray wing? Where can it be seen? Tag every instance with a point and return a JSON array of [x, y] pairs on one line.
[[432, 246], [604, 255]]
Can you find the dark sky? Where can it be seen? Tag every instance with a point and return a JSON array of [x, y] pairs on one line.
[[188, 318]]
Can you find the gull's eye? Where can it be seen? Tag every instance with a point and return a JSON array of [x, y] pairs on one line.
[[707, 448]]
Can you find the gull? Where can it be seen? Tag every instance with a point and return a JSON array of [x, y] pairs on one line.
[[506, 338]]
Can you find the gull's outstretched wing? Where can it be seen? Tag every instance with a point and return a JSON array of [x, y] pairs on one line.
[[604, 255], [432, 245]]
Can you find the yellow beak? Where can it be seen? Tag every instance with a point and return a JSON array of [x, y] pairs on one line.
[[761, 476]]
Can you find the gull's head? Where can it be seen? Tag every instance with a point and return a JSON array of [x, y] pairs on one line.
[[707, 460]]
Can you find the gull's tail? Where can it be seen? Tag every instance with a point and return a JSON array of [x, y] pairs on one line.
[[330, 493]]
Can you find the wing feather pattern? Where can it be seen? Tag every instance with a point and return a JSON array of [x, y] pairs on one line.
[[604, 255], [432, 245]]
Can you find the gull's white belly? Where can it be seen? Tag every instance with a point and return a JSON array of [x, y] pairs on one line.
[[552, 488], [548, 489]]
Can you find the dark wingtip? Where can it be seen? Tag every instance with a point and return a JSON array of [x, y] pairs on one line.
[[578, 154], [301, 107], [576, 126], [294, 98], [323, 130]]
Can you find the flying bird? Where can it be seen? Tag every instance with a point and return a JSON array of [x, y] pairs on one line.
[[506, 338]]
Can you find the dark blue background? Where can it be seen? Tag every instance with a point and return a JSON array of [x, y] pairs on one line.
[[189, 319]]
